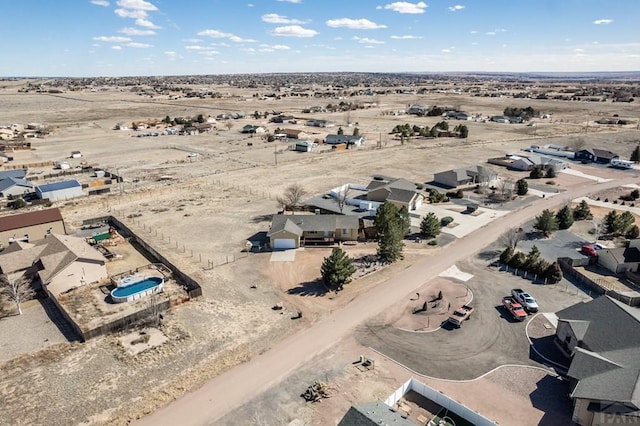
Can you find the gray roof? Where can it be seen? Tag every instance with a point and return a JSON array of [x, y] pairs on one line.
[[10, 182], [17, 173], [625, 254], [336, 139], [400, 189], [57, 186], [375, 413], [401, 195], [606, 363], [297, 224]]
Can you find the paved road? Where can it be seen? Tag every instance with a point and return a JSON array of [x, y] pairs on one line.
[[237, 386]]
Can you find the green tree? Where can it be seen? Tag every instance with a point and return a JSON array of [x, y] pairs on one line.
[[625, 221], [517, 260], [522, 187], [390, 232], [635, 155], [546, 223], [582, 211], [533, 257], [633, 232], [356, 131], [340, 131], [536, 173], [553, 273], [611, 222], [336, 269], [19, 203], [404, 219], [565, 217], [550, 173], [200, 118], [506, 255], [167, 120], [464, 131], [430, 225]]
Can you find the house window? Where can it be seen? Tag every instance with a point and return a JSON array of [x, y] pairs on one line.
[[344, 232]]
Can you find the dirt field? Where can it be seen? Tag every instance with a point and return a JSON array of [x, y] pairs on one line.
[[205, 209]]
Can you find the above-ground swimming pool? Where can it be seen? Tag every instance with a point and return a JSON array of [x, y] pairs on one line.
[[133, 289]]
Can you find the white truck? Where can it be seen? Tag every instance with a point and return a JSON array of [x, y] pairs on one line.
[[525, 299]]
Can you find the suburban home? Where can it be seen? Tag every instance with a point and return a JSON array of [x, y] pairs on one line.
[[346, 139], [418, 110], [31, 226], [319, 123], [465, 176], [305, 146], [400, 192], [15, 187], [59, 190], [250, 128], [293, 231], [596, 155], [294, 134], [57, 263], [529, 163], [602, 338], [622, 259]]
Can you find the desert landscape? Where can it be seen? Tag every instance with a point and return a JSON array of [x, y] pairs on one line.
[[199, 198]]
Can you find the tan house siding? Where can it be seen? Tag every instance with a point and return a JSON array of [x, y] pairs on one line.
[[285, 235], [75, 275], [35, 232], [346, 235]]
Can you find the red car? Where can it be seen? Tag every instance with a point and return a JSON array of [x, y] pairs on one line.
[[589, 251]]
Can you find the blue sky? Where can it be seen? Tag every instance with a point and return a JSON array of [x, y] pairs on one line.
[[171, 37]]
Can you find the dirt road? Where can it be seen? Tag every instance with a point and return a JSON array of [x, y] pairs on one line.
[[240, 384]]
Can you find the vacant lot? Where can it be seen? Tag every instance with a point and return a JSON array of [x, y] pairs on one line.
[[200, 211]]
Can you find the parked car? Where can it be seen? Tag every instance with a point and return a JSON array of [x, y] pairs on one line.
[[514, 308], [460, 315], [599, 246], [193, 154], [525, 299], [589, 251]]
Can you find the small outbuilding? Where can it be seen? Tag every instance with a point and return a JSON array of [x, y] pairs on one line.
[[60, 190], [75, 154]]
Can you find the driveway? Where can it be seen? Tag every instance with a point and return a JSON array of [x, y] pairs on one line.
[[463, 223], [284, 255]]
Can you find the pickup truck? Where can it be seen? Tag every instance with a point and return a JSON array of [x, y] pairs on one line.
[[525, 299], [514, 307], [460, 315]]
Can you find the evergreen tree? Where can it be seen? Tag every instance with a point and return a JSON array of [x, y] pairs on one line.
[[336, 269], [625, 221], [635, 155], [533, 257], [565, 217], [546, 223], [611, 222], [522, 187], [404, 221], [536, 173], [390, 228], [517, 261], [553, 273], [633, 232], [506, 255], [356, 131], [582, 211], [340, 131], [430, 225]]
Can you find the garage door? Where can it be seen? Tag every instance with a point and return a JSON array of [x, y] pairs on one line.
[[284, 243]]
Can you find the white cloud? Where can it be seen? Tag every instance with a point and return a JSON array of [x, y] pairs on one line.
[[103, 3], [112, 39], [142, 22], [365, 40], [135, 45], [354, 24], [293, 31], [275, 47], [405, 7], [456, 8], [490, 33], [473, 32], [292, 1], [406, 37], [221, 34], [192, 40], [274, 18], [136, 32], [116, 47], [197, 47], [603, 21], [250, 5], [135, 14], [137, 5], [446, 50], [172, 56], [578, 50]]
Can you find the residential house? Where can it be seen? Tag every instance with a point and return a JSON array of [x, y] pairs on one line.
[[11, 187], [602, 338], [250, 128], [294, 134], [57, 263], [14, 173], [59, 190], [418, 110], [293, 231], [529, 163], [596, 155], [354, 140], [622, 259], [319, 123], [31, 226], [400, 192], [465, 176]]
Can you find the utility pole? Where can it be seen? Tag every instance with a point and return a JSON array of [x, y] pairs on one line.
[[275, 152]]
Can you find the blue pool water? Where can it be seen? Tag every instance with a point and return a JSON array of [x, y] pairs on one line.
[[136, 287]]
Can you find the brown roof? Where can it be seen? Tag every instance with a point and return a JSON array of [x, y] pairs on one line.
[[23, 220]]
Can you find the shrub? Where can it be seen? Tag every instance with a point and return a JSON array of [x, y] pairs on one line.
[[550, 182], [445, 221], [419, 186], [432, 243]]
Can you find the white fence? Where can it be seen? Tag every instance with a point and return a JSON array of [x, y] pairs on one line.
[[440, 399]]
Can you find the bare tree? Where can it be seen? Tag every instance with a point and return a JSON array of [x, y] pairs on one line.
[[16, 290], [512, 237], [597, 227], [506, 188], [342, 196], [291, 197], [229, 125]]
